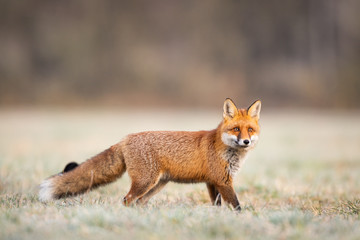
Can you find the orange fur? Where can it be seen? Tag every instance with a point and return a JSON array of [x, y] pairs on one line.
[[154, 158]]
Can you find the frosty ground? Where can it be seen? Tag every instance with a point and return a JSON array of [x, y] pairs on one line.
[[300, 182]]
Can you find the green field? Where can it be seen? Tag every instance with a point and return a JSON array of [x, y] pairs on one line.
[[302, 181]]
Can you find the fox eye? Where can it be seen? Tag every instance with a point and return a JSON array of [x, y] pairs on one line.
[[250, 130], [236, 129]]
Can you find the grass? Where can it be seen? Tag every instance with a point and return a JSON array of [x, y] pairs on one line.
[[301, 182]]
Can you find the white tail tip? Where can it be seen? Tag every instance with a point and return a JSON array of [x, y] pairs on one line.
[[46, 191]]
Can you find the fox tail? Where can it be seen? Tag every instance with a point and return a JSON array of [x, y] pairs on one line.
[[101, 169]]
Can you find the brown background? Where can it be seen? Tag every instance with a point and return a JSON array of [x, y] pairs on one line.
[[180, 53]]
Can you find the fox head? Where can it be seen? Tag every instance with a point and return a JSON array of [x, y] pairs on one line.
[[240, 128]]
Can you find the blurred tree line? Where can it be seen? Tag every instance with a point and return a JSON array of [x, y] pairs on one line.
[[182, 53]]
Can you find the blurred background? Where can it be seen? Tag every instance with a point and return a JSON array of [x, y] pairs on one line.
[[77, 76], [180, 53]]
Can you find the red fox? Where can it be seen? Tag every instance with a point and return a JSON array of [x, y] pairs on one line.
[[154, 158]]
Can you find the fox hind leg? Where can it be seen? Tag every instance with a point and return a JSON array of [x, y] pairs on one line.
[[139, 188], [157, 188]]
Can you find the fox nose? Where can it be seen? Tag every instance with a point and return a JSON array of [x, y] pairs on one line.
[[246, 142]]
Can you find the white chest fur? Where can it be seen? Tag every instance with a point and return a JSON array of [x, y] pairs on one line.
[[235, 158]]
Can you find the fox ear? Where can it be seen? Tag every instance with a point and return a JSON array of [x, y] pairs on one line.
[[254, 110], [230, 109]]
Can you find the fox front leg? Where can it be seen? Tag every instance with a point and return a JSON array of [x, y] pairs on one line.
[[214, 194], [229, 196]]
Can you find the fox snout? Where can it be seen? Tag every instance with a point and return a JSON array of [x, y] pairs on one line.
[[247, 142], [244, 142], [236, 141]]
